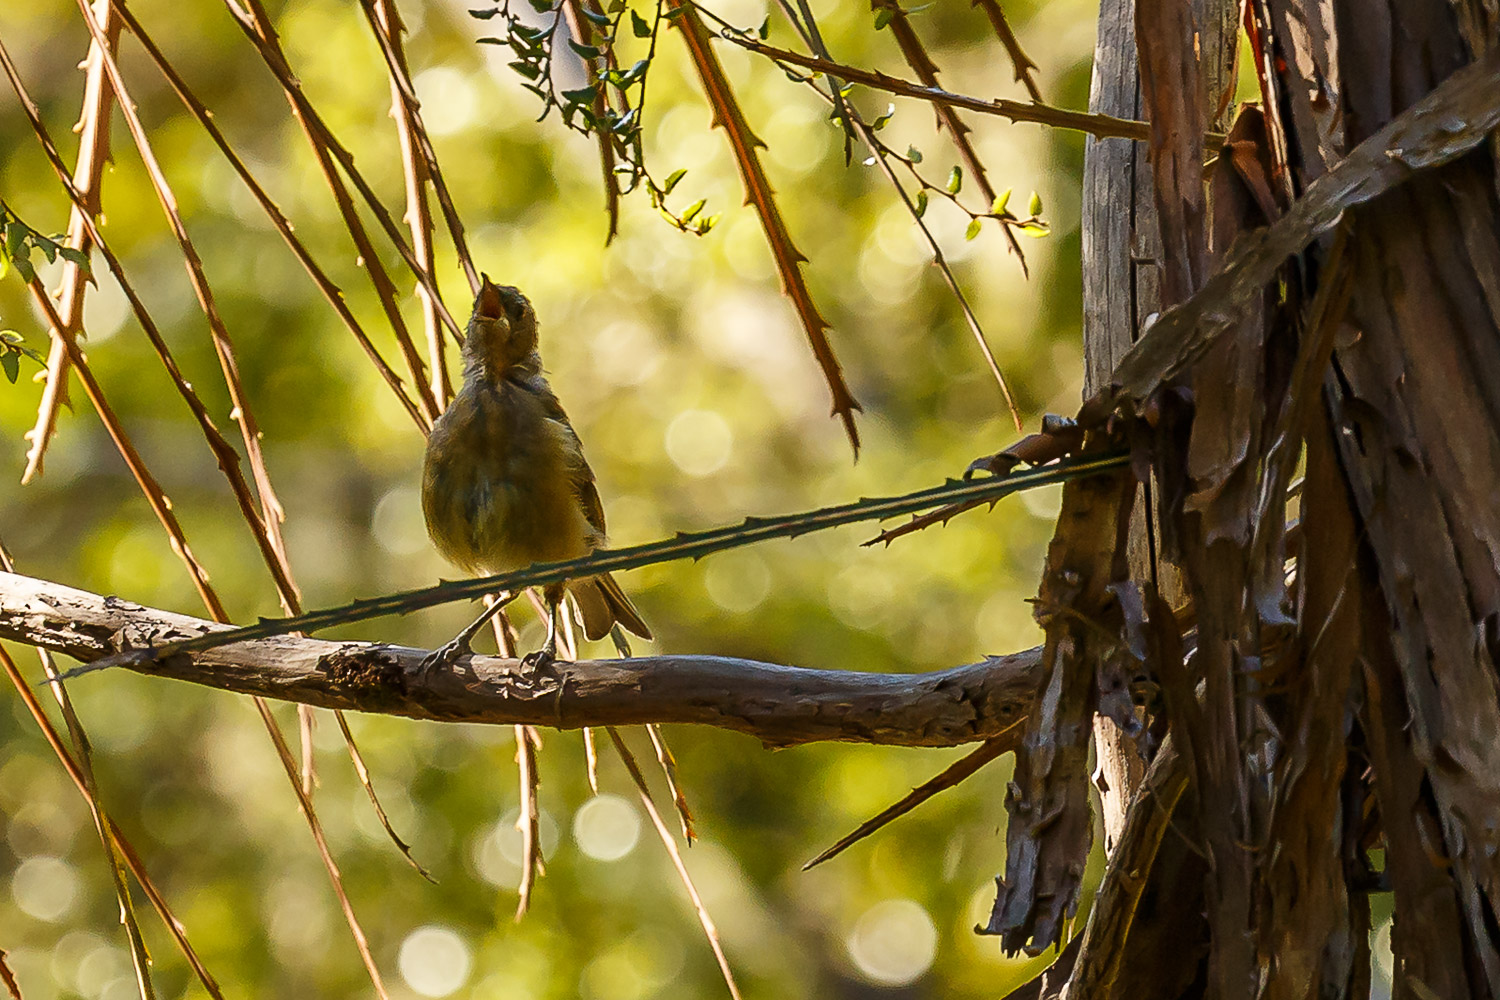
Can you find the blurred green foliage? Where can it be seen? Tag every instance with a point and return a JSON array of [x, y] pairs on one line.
[[698, 402]]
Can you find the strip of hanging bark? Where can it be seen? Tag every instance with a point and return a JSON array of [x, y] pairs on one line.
[[780, 705], [1050, 829], [1133, 871], [758, 193], [1305, 919], [1427, 919], [1172, 95], [88, 170], [955, 773], [1414, 409], [1448, 122]]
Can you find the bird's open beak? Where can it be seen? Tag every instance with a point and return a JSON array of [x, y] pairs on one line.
[[488, 305]]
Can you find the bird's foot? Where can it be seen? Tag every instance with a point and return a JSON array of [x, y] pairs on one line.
[[445, 657], [539, 660]]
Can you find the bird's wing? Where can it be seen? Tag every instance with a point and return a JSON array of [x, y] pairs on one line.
[[584, 489]]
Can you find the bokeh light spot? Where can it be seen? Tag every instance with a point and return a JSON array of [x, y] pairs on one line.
[[397, 523], [449, 101], [699, 442], [737, 581], [434, 961], [893, 942], [45, 887], [606, 827]]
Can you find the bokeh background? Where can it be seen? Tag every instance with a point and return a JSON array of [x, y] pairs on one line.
[[698, 401]]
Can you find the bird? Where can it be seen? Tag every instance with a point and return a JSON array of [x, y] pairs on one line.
[[504, 480]]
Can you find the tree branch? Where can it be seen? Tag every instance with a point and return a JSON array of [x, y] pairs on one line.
[[779, 705]]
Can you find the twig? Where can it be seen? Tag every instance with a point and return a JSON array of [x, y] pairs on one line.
[[704, 919], [960, 770], [329, 290], [1018, 57], [744, 143], [1098, 125]]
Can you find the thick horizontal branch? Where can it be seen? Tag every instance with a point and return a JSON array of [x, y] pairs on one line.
[[779, 705]]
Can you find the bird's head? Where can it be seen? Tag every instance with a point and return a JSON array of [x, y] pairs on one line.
[[502, 331]]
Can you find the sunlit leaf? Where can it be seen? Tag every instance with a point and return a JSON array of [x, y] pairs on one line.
[[972, 230], [955, 180]]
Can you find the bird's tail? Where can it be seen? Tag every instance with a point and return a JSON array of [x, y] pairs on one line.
[[601, 603]]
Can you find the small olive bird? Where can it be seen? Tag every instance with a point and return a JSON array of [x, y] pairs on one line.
[[505, 483]]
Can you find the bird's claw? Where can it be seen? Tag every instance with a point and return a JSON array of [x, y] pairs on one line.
[[539, 660], [443, 658]]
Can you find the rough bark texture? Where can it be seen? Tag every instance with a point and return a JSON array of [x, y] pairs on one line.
[[779, 705], [1338, 304]]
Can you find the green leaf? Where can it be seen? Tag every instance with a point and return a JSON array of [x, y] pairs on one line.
[[614, 6], [884, 119], [921, 203], [586, 51], [765, 28], [11, 362], [914, 154], [693, 210], [542, 6], [1035, 230], [597, 16], [584, 96], [1001, 200], [1035, 208], [672, 179], [972, 230], [675, 13], [883, 17], [955, 180], [635, 72], [706, 223], [526, 69], [484, 15], [639, 25], [76, 256], [15, 239]]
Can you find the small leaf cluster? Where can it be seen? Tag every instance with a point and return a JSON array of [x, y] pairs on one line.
[[18, 242], [1031, 224], [11, 349], [611, 106]]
